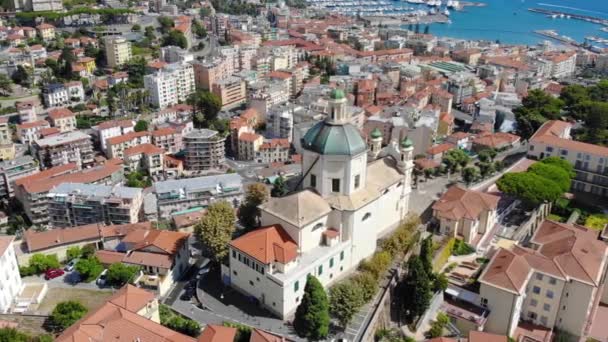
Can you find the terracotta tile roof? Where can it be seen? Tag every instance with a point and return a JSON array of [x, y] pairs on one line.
[[274, 143], [163, 131], [45, 26], [258, 335], [115, 123], [147, 149], [56, 237], [565, 252], [459, 135], [126, 137], [5, 242], [279, 74], [148, 259], [217, 333], [250, 113], [38, 183], [109, 257], [267, 245], [440, 148], [574, 248], [507, 270], [48, 173], [168, 241], [497, 140], [458, 203], [552, 133], [117, 230], [45, 132], [480, 336], [115, 321], [59, 113], [249, 137], [157, 64]]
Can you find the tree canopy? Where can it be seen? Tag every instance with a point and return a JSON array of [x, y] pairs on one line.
[[175, 38], [562, 163], [89, 268], [345, 300], [530, 187], [279, 188], [66, 314], [120, 274], [141, 125], [206, 106], [312, 315], [453, 159], [553, 173], [249, 212], [415, 290], [215, 229]]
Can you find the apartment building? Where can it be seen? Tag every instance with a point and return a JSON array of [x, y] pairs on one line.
[[231, 91], [556, 283], [11, 170], [263, 99], [561, 64], [249, 145], [70, 147], [177, 195], [171, 85], [46, 31], [175, 54], [146, 158], [204, 149], [11, 284], [76, 204], [110, 129], [62, 118], [117, 145], [31, 191], [465, 213], [590, 161], [28, 111], [118, 51], [28, 132], [180, 113], [58, 95], [209, 72], [280, 120], [167, 138], [273, 151]]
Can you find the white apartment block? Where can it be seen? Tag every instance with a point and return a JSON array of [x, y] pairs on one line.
[[11, 284], [171, 85], [328, 228], [116, 146], [263, 99], [110, 129], [118, 51], [557, 283], [590, 161]]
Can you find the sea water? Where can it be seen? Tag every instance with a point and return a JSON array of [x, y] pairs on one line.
[[509, 21]]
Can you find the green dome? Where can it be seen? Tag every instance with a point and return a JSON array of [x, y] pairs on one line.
[[327, 139], [337, 94], [376, 133], [407, 143]]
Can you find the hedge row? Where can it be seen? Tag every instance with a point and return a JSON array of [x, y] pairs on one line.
[[370, 271]]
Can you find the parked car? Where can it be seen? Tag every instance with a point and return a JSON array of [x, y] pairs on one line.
[[53, 273], [69, 267], [101, 280]]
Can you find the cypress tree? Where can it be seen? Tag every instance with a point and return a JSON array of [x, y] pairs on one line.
[[415, 290], [312, 315]]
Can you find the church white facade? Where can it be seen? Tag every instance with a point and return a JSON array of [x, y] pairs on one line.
[[352, 195]]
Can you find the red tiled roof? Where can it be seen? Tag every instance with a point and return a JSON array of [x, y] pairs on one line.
[[126, 137], [5, 242], [249, 137], [274, 143], [458, 203], [115, 123], [551, 133], [143, 148], [440, 148], [217, 333], [59, 113], [267, 245], [163, 131]]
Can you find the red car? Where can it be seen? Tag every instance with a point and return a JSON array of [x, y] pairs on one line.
[[53, 273]]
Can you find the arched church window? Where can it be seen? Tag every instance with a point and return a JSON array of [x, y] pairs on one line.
[[317, 226]]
